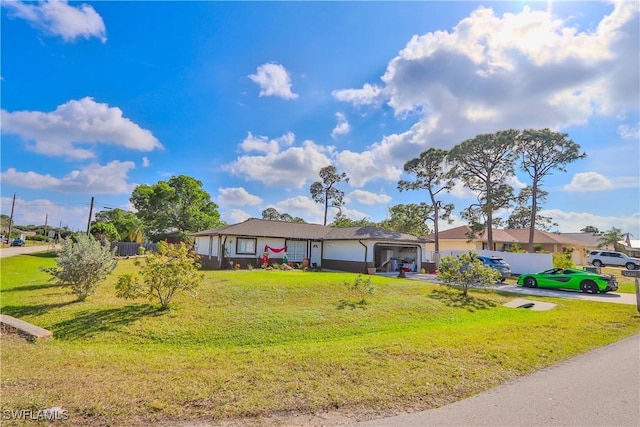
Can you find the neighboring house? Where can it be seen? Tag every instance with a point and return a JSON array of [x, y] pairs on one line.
[[351, 249], [592, 242], [457, 238], [632, 247]]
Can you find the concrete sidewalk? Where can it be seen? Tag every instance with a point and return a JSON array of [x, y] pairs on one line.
[[599, 388]]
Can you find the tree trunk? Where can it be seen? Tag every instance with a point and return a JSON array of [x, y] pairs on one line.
[[534, 211]]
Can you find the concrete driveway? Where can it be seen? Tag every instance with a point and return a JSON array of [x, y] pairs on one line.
[[611, 297]]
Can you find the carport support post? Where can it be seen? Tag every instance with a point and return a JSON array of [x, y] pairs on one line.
[[636, 274]]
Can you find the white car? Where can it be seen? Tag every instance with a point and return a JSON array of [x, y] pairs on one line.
[[616, 259]]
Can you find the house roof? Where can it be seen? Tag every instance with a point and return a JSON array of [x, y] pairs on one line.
[[510, 235], [590, 240], [291, 230], [462, 233]]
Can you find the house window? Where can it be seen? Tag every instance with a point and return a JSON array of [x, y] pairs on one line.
[[296, 250], [245, 246]]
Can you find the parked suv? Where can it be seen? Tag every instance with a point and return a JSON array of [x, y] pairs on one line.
[[497, 264], [617, 259]]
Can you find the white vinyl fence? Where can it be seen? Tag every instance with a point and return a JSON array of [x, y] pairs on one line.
[[521, 263]]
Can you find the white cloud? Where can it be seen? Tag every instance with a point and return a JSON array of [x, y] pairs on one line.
[[273, 80], [593, 181], [369, 198], [629, 132], [57, 18], [569, 222], [291, 168], [36, 211], [235, 215], [342, 127], [75, 124], [263, 144], [145, 162], [377, 162], [474, 78], [588, 182], [369, 94], [303, 207], [95, 179], [237, 196]]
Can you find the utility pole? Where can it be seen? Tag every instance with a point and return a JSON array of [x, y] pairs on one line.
[[90, 213], [13, 204], [46, 219]]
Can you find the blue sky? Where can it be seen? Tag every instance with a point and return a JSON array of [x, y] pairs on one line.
[[254, 98]]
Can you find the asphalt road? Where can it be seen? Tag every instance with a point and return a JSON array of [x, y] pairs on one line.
[[599, 388], [8, 251]]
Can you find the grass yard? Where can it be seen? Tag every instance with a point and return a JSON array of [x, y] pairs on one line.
[[258, 343]]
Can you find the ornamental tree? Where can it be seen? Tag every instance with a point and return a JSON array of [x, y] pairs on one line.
[[172, 269], [465, 271], [83, 263]]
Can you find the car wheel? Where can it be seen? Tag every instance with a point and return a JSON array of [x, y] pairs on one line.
[[530, 282], [631, 266], [589, 286], [597, 263]]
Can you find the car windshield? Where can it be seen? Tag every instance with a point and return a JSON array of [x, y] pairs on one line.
[[498, 261]]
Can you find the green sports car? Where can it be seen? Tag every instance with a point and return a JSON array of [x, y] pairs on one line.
[[561, 278]]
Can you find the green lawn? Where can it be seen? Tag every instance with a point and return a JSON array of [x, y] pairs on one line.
[[256, 343]]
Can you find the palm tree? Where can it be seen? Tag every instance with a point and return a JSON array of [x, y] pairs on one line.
[[612, 237]]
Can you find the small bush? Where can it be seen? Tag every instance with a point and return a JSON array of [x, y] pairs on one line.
[[563, 259], [82, 264], [171, 269], [360, 288], [141, 250], [465, 271]]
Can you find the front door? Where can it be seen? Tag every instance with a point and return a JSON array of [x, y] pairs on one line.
[[316, 253]]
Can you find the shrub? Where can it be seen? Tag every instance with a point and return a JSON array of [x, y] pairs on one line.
[[516, 248], [82, 264], [360, 288], [563, 259], [141, 250], [172, 269], [465, 271]]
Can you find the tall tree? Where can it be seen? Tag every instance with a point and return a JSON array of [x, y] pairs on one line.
[[521, 215], [127, 224], [342, 221], [590, 229], [271, 214], [179, 204], [410, 218], [429, 175], [325, 190], [542, 152], [484, 164]]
